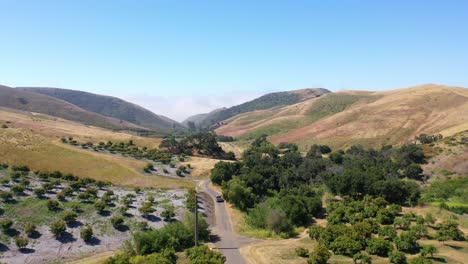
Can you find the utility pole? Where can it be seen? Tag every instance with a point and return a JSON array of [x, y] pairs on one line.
[[196, 220]]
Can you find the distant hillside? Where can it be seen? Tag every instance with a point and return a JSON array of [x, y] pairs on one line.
[[358, 117], [109, 106], [34, 102], [198, 119], [264, 102]]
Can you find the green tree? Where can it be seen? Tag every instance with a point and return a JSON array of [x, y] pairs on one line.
[[203, 255], [419, 260], [69, 216], [407, 242], [21, 242], [319, 255], [58, 228], [6, 224], [449, 231], [168, 213], [387, 232], [117, 221], [428, 250], [345, 245], [362, 258], [397, 257], [53, 205], [86, 233], [379, 247], [30, 229]]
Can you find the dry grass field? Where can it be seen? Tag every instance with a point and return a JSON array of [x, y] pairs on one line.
[[34, 141], [352, 117]]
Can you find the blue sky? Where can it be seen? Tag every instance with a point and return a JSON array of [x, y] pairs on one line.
[[183, 57]]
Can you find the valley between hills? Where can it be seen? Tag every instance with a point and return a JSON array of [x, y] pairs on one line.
[[298, 170]]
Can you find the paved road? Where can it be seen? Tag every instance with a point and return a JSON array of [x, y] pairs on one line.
[[229, 243]]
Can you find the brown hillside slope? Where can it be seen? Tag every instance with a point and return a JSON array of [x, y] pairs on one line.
[[355, 117], [34, 102]]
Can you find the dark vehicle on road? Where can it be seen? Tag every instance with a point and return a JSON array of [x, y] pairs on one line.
[[219, 199]]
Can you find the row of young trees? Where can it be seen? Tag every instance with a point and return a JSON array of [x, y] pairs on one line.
[[280, 189]]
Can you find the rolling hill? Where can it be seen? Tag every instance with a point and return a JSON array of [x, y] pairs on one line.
[[34, 102], [108, 106], [215, 118], [198, 119], [358, 117]]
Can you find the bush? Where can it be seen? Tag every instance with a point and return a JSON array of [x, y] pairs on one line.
[[420, 260], [30, 229], [407, 242], [168, 213], [58, 228], [39, 192], [379, 247], [69, 217], [319, 255], [363, 258], [146, 209], [18, 189], [86, 233], [6, 224], [428, 250], [345, 245], [397, 257], [203, 255], [6, 196], [117, 221], [176, 234], [99, 206], [302, 252], [21, 242], [53, 205]]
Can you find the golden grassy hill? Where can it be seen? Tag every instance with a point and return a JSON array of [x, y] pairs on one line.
[[33, 140], [359, 117]]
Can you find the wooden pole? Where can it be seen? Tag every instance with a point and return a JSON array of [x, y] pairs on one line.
[[196, 220]]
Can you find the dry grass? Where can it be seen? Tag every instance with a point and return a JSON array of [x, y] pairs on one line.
[[369, 118], [201, 167], [20, 146]]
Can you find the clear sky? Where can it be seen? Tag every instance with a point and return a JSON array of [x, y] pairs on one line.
[[183, 57]]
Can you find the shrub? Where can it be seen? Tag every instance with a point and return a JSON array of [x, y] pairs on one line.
[[39, 192], [428, 250], [363, 258], [406, 242], [99, 206], [69, 217], [319, 255], [6, 196], [397, 257], [420, 260], [388, 232], [379, 247], [21, 242], [58, 228], [86, 233], [449, 230], [117, 221], [302, 252], [6, 224], [146, 209], [30, 229], [345, 245], [168, 213], [202, 255], [53, 205], [18, 189]]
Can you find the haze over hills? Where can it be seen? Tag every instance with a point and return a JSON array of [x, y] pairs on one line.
[[364, 117], [109, 106], [199, 118], [263, 102]]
